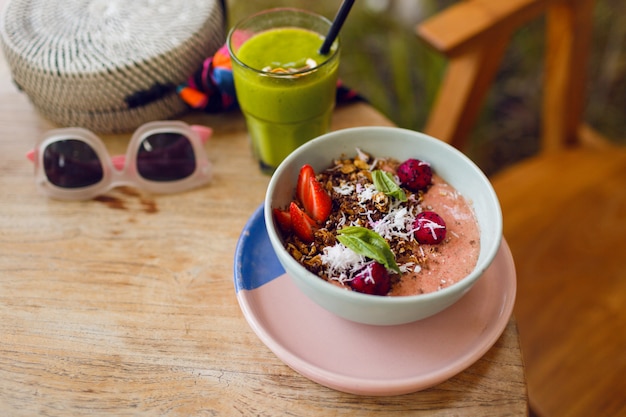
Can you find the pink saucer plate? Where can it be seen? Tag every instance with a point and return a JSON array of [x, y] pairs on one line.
[[364, 359]]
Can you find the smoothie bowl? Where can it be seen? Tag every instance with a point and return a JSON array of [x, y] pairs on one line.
[[382, 225]]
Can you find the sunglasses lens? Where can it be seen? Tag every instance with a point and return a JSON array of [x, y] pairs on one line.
[[72, 163], [166, 157]]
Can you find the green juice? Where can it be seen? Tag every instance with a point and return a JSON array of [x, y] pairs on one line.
[[286, 90]]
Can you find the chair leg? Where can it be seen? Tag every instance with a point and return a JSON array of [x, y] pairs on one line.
[[568, 38], [467, 80]]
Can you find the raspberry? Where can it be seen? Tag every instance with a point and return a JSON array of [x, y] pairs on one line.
[[373, 279], [415, 175], [429, 228]]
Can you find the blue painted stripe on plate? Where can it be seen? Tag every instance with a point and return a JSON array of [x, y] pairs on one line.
[[256, 263]]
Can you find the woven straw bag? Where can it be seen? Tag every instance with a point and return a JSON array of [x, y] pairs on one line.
[[108, 65]]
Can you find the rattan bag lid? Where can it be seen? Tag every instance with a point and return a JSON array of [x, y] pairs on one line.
[[108, 65]]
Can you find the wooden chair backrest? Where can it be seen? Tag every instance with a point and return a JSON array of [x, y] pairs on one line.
[[474, 35]]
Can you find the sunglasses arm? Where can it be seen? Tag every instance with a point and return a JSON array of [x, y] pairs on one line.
[[202, 131]]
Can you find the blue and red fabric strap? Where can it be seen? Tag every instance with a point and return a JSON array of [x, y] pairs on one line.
[[211, 87]]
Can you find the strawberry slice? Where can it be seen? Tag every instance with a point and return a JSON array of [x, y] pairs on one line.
[[303, 185], [301, 222], [317, 203], [315, 200], [283, 218]]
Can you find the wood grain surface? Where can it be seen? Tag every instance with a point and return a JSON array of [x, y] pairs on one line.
[[565, 219]]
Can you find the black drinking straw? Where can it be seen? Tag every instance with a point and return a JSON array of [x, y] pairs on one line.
[[336, 26]]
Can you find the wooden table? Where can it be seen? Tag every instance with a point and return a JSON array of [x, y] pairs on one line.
[[125, 305]]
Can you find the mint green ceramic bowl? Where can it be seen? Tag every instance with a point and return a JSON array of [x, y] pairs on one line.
[[453, 166]]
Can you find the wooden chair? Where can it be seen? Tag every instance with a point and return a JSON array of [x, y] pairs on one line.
[[564, 209]]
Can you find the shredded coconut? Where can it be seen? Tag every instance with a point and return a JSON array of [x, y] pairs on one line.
[[344, 189], [362, 155], [341, 261], [431, 225], [366, 193]]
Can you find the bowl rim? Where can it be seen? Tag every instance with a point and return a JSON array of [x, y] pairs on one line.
[[312, 279]]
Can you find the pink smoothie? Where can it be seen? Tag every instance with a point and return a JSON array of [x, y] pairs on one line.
[[452, 260]]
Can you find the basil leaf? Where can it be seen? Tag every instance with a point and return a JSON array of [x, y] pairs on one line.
[[368, 243], [384, 182]]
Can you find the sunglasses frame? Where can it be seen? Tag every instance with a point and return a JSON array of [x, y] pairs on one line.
[[122, 170]]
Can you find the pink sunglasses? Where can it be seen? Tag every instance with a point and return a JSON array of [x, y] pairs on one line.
[[162, 157]]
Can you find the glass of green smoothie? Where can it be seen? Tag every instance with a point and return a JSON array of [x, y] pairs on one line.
[[285, 87]]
